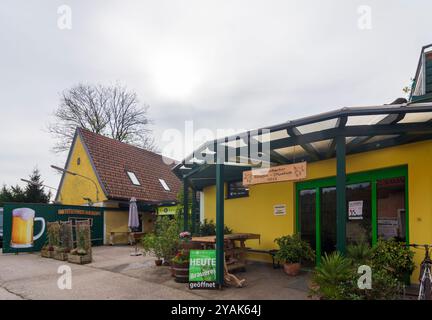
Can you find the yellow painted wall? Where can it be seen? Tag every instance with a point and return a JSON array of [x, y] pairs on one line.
[[75, 188], [255, 213], [117, 221]]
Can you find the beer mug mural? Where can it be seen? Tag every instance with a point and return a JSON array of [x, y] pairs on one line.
[[23, 227]]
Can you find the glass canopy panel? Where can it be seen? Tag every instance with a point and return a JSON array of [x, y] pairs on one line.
[[349, 139], [276, 135], [381, 138], [317, 126], [238, 143], [292, 152], [416, 117], [365, 120], [321, 146]]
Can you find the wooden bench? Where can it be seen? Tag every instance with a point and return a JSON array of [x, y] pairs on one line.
[[272, 253], [114, 233]]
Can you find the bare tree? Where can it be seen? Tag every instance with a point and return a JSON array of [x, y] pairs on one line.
[[112, 111]]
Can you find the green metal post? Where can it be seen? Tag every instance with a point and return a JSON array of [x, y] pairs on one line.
[[185, 205], [318, 225], [374, 213], [220, 197], [341, 213], [193, 215]]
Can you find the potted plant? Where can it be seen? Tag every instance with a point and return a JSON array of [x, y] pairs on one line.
[[292, 250], [152, 244], [82, 253], [79, 256], [180, 266], [47, 251], [52, 241]]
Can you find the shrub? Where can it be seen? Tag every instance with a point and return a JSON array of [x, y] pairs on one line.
[[168, 232], [292, 249], [164, 241], [333, 277], [337, 276], [360, 253], [394, 257], [208, 228]]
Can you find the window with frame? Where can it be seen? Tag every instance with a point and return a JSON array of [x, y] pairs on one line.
[[133, 178], [236, 189]]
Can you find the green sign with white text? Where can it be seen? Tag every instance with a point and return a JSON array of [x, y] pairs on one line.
[[202, 269]]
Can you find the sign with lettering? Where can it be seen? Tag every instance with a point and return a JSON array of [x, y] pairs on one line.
[[355, 210], [289, 172], [202, 269], [79, 212], [166, 211], [24, 228], [279, 210]]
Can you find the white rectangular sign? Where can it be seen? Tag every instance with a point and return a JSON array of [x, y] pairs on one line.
[[279, 210], [355, 210]]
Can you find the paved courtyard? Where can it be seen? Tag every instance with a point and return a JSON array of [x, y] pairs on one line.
[[114, 274]]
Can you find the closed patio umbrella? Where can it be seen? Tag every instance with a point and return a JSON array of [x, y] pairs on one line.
[[133, 222]]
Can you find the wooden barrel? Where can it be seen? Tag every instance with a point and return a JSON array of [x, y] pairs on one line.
[[181, 272]]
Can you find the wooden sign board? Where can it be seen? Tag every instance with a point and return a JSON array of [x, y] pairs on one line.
[[289, 172]]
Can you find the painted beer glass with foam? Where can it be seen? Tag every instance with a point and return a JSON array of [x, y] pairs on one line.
[[23, 228]]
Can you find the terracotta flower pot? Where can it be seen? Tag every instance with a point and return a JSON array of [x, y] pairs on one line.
[[158, 262], [292, 269]]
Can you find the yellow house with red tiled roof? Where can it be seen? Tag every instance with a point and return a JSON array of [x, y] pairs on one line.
[[108, 173]]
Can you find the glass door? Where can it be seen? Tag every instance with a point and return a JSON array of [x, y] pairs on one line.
[[376, 208]]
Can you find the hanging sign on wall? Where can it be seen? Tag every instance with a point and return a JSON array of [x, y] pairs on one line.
[[355, 210], [279, 209], [288, 172]]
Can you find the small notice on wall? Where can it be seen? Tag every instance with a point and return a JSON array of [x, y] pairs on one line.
[[355, 210], [279, 210]]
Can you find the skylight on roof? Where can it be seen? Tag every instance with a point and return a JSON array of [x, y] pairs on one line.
[[133, 178], [164, 185]]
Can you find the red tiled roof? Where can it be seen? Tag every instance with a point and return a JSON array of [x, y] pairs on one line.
[[112, 159]]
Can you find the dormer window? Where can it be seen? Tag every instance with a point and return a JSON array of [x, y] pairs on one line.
[[164, 185], [133, 178]]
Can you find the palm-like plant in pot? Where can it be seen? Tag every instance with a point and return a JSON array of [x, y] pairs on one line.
[[292, 251]]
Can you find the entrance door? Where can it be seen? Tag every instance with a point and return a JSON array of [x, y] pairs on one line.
[[375, 203], [307, 203]]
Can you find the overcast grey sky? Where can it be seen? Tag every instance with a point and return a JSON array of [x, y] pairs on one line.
[[223, 64]]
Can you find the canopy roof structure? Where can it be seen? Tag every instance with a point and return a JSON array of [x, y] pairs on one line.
[[334, 134], [313, 138]]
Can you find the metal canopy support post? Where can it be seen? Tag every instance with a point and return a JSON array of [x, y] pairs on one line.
[[185, 204], [194, 213], [220, 197], [341, 212]]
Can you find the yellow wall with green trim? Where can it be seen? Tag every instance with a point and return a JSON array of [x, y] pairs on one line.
[[255, 213], [75, 188]]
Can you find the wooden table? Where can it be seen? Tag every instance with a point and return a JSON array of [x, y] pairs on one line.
[[235, 256]]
